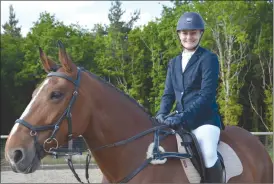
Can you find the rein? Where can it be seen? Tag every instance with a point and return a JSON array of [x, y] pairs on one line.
[[40, 149], [130, 139]]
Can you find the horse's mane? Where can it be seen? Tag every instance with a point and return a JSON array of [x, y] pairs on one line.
[[120, 91]]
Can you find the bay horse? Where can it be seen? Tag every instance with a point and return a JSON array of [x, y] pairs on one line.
[[72, 102]]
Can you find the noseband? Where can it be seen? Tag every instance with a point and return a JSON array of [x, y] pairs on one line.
[[55, 127]]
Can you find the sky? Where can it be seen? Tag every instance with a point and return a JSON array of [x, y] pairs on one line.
[[85, 13]]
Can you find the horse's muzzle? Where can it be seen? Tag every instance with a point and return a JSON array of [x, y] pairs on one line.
[[23, 161]]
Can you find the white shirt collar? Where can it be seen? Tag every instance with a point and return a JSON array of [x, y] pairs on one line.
[[186, 55]]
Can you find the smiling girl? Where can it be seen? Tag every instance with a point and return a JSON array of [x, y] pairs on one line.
[[191, 82]]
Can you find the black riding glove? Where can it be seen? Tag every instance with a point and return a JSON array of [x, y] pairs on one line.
[[175, 121], [160, 118]]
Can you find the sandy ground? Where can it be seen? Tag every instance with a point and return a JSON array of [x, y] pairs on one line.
[[51, 176]]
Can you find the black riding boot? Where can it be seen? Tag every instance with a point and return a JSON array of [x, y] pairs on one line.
[[214, 174]]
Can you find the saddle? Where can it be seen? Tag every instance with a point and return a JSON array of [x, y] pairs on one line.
[[192, 148]]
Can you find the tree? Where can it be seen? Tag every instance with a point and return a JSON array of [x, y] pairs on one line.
[[10, 27], [114, 59], [135, 59], [262, 66], [11, 58]]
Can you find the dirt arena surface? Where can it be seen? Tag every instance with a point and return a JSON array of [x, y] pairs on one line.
[[51, 176]]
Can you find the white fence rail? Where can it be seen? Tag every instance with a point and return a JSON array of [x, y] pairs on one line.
[[254, 133], [262, 133]]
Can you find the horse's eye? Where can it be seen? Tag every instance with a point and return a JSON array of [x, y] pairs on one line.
[[56, 95]]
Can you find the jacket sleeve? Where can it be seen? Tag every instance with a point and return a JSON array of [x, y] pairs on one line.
[[210, 74], [168, 97]]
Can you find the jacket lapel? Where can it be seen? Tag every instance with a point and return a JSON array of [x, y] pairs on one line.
[[178, 70], [195, 57]]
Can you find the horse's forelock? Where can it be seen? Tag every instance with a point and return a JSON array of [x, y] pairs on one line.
[[55, 68]]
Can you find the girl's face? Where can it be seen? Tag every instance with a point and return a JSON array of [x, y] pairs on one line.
[[190, 38]]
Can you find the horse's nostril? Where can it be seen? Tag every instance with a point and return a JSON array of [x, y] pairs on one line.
[[18, 155]]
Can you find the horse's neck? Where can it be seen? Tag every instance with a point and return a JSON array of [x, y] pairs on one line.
[[116, 119]]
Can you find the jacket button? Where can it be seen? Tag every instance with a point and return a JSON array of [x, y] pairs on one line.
[[182, 93]]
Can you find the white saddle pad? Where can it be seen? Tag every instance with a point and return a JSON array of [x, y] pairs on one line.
[[233, 165]]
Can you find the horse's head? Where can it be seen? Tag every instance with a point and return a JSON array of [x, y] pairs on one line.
[[47, 121]]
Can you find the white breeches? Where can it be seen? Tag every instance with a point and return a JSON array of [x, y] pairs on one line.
[[208, 137]]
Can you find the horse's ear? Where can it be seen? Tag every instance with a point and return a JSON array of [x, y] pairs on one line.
[[65, 59], [48, 64]]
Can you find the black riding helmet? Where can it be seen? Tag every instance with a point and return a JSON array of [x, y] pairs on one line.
[[190, 21]]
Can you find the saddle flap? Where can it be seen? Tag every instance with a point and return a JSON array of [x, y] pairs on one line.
[[190, 143], [232, 163]]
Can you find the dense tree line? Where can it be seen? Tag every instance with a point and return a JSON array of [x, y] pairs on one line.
[[134, 59]]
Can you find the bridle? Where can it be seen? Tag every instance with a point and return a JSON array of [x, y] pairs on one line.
[[56, 125], [40, 149]]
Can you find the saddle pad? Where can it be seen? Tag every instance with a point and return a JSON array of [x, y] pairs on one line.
[[233, 165]]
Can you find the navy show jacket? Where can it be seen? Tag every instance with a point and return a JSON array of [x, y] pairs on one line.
[[194, 90]]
